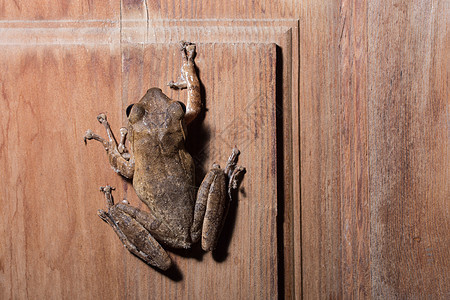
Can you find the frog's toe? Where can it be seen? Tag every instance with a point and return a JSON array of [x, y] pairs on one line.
[[179, 85], [89, 135], [108, 196], [101, 118], [190, 51]]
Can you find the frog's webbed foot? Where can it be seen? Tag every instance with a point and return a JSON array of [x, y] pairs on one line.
[[189, 80], [90, 135], [213, 200], [119, 157], [132, 233], [182, 83], [233, 171], [187, 50], [178, 85], [123, 150]]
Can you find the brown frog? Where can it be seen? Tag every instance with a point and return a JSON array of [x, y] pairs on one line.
[[162, 172]]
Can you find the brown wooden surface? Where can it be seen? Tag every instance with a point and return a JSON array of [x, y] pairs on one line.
[[55, 245], [362, 142], [408, 136], [374, 149]]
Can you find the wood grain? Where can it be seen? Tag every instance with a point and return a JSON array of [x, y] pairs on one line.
[[57, 247], [38, 10], [409, 149], [319, 140], [362, 163], [353, 149], [374, 149], [49, 249]]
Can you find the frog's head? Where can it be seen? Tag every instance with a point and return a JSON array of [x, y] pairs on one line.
[[156, 112]]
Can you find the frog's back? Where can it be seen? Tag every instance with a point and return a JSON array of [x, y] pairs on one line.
[[166, 185], [164, 170]]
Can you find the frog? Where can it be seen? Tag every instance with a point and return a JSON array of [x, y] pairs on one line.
[[162, 173]]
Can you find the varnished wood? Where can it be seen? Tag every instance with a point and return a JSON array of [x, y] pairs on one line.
[[362, 143], [353, 151], [408, 140], [53, 227], [49, 248], [319, 149], [374, 124]]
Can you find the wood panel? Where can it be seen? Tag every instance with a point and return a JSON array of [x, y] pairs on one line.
[[374, 149], [48, 248], [246, 118], [319, 150], [353, 148], [56, 246], [137, 29], [408, 135], [362, 133]]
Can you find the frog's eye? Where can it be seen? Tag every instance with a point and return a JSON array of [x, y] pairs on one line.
[[135, 113], [129, 109], [176, 110], [182, 106]]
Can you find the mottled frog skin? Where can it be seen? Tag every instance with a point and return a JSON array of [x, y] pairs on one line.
[[162, 172]]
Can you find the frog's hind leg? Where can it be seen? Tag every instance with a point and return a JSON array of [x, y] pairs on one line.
[[213, 200], [210, 209], [133, 235], [118, 155]]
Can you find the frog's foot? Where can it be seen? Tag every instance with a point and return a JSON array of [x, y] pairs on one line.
[[179, 85], [119, 157], [235, 179], [187, 50], [187, 53], [90, 135], [121, 147], [232, 161], [101, 118], [233, 172], [108, 195], [213, 200], [134, 236]]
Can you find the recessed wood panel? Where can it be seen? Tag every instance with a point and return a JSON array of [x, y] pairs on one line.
[[57, 247], [239, 101], [49, 95]]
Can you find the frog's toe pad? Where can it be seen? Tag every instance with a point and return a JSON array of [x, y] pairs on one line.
[[101, 118]]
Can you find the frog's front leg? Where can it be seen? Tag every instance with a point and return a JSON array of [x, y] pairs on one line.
[[213, 200], [189, 80], [126, 222], [118, 155]]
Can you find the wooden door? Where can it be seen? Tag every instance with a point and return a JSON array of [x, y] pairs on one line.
[[63, 66], [340, 109]]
